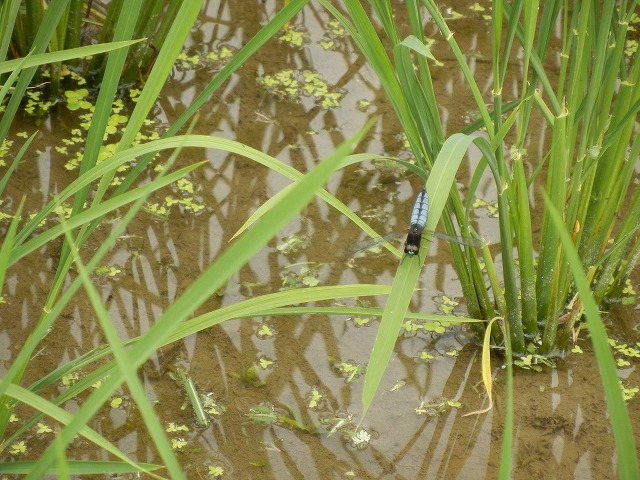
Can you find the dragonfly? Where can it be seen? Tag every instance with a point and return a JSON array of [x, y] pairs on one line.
[[416, 230]]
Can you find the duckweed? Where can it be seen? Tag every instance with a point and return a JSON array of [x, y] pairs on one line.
[[291, 85]]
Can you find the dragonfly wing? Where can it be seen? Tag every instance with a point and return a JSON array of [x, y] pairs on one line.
[[375, 241], [461, 240], [372, 242]]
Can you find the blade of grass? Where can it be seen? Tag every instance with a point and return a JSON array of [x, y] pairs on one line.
[[45, 322], [246, 52], [43, 34], [210, 280], [62, 55], [194, 399], [364, 34], [506, 454], [8, 15], [626, 452], [7, 243], [106, 95], [14, 372], [438, 186], [7, 175], [162, 67], [236, 62], [8, 83], [136, 389], [94, 141], [81, 467], [258, 306], [266, 305], [462, 63], [486, 369], [97, 211], [64, 417], [5, 250], [324, 195], [112, 163]]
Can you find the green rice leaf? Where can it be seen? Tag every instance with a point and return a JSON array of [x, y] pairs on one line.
[[211, 279], [62, 55], [438, 186], [417, 46], [626, 451]]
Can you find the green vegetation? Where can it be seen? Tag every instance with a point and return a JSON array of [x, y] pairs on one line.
[[93, 197], [536, 305], [591, 111], [77, 22]]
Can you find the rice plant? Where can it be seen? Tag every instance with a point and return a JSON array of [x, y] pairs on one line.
[[93, 198], [587, 169], [590, 159], [592, 136], [78, 22]]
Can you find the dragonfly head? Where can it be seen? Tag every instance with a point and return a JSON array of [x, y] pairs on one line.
[[411, 249]]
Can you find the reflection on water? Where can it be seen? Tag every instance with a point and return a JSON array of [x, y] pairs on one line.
[[303, 368]]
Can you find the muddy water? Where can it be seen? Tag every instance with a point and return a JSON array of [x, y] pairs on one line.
[[561, 428]]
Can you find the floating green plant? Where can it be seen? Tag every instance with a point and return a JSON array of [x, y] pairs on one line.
[[361, 321], [292, 244], [265, 363], [211, 406], [178, 443], [628, 293], [76, 99], [107, 271], [628, 393], [265, 331], [221, 54], [358, 438], [314, 398], [363, 106], [186, 61], [335, 27], [115, 126], [250, 377], [173, 428], [410, 327], [327, 44], [292, 85], [35, 105], [533, 361], [43, 428], [334, 35], [18, 448], [350, 370], [215, 471], [447, 305], [434, 409], [293, 37], [426, 356], [307, 276], [268, 414]]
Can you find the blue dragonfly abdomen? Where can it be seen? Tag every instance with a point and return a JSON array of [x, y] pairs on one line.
[[420, 210], [418, 221]]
